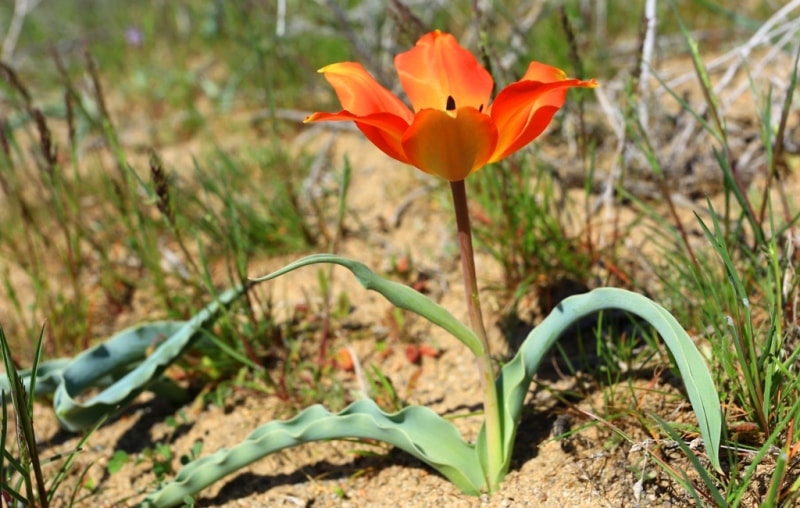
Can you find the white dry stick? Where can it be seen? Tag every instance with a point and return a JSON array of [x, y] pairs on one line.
[[312, 183], [171, 261], [647, 63], [363, 386], [523, 25], [280, 24], [600, 21], [726, 61], [638, 488], [401, 209], [616, 121], [613, 113], [777, 49], [732, 61], [183, 21], [760, 37], [21, 9]]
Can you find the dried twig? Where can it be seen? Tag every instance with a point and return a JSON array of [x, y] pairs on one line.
[[648, 45], [21, 10]]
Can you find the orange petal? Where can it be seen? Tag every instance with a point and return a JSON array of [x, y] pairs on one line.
[[384, 130], [523, 110], [450, 146], [538, 71], [360, 93], [438, 68]]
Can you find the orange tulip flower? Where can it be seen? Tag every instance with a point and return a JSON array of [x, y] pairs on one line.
[[453, 130]]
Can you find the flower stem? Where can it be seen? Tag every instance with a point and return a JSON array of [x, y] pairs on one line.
[[491, 407]]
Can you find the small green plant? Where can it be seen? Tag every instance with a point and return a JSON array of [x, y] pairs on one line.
[[160, 458], [117, 461]]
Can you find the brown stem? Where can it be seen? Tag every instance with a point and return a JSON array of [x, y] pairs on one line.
[[468, 260], [491, 407]]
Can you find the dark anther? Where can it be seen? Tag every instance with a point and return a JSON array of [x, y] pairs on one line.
[[480, 109], [451, 103]]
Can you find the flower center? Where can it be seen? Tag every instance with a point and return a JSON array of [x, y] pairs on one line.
[[451, 105]]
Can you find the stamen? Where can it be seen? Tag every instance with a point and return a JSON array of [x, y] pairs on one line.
[[451, 103], [480, 109]]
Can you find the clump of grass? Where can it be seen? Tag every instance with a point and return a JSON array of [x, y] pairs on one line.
[[104, 226], [523, 224], [738, 283], [22, 468]]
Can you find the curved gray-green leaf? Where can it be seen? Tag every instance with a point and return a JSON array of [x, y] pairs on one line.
[[516, 375], [416, 430], [398, 294], [48, 377], [123, 365]]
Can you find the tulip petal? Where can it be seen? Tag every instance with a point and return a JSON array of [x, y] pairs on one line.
[[438, 68], [360, 94], [384, 130], [450, 145], [538, 71], [523, 110]]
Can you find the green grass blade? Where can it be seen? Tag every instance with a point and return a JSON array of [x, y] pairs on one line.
[[24, 425], [30, 431], [743, 336], [3, 429], [61, 475], [3, 434], [705, 475], [774, 440], [13, 493], [778, 475]]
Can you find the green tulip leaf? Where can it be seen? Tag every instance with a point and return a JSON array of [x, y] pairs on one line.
[[516, 375], [120, 366], [399, 295], [117, 365], [48, 377], [125, 358], [416, 430]]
